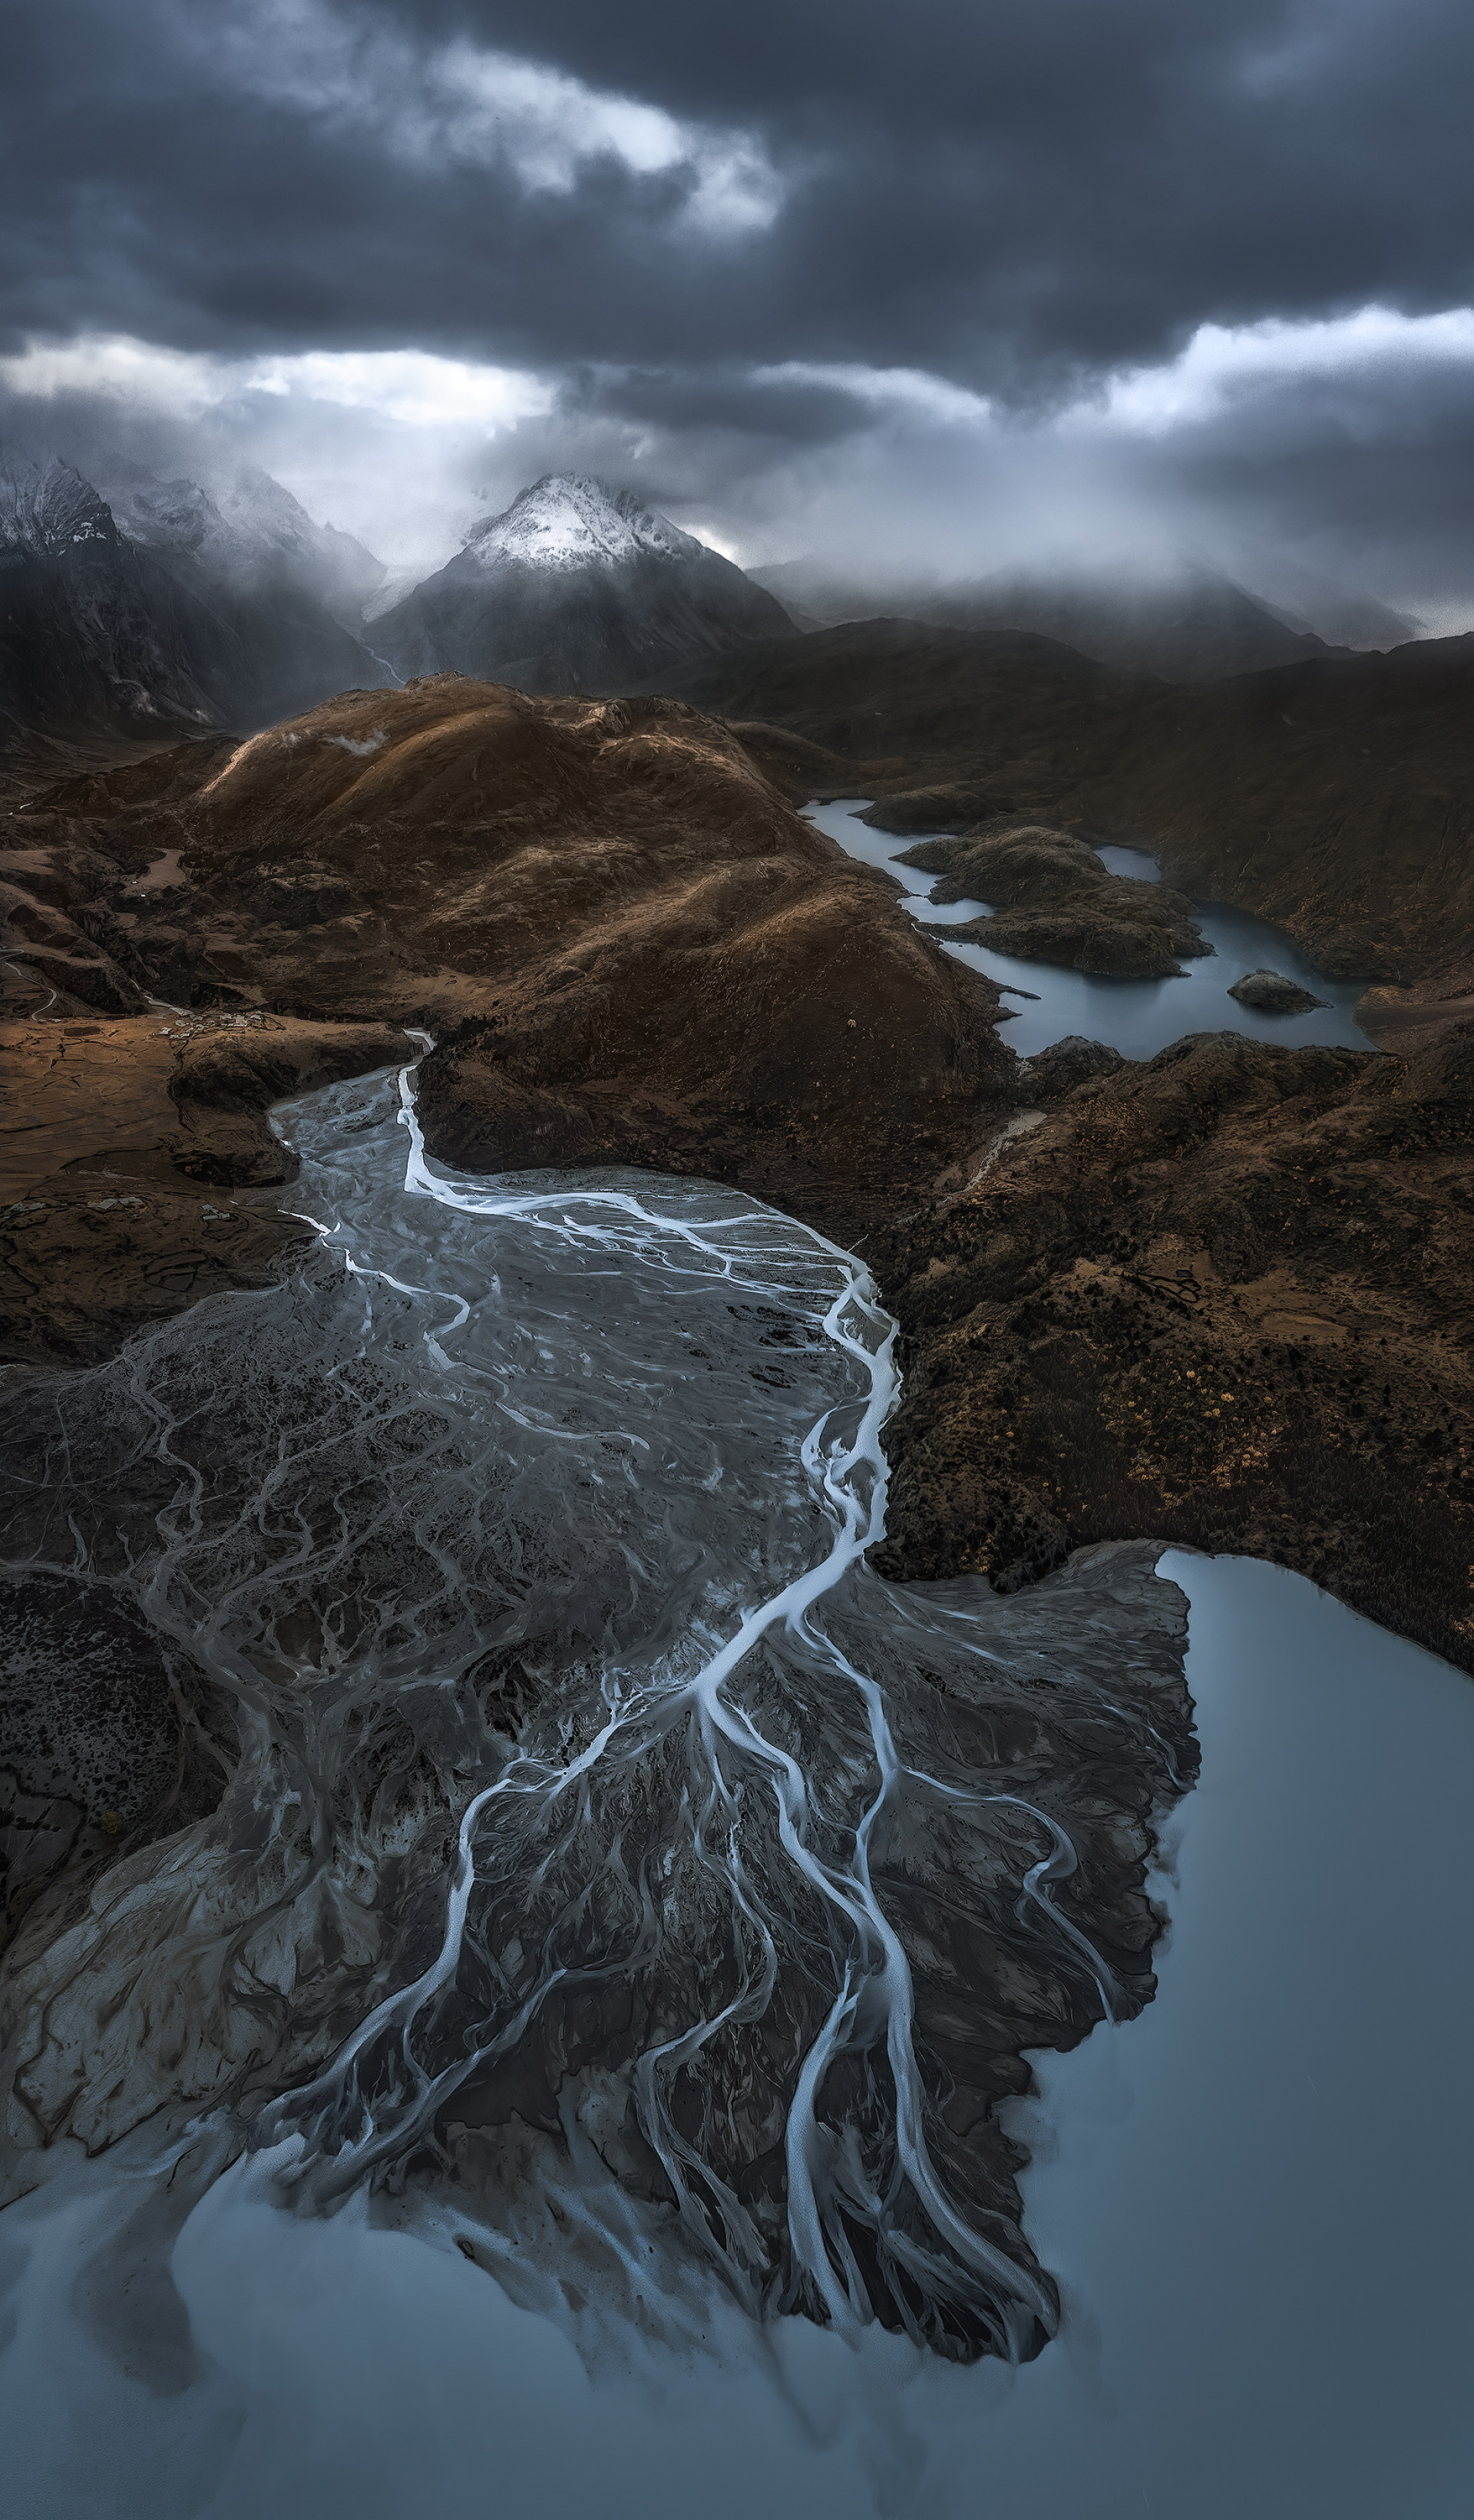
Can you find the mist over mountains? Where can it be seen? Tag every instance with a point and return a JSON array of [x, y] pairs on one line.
[[255, 536], [576, 588], [1189, 624], [165, 610], [131, 604]]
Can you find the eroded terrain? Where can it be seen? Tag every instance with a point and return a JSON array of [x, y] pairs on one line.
[[1225, 1295]]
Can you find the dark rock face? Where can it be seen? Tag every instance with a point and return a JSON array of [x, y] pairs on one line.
[[92, 633], [1331, 796], [1058, 904], [1066, 1064], [576, 589], [1270, 993], [288, 593], [255, 537], [99, 633]]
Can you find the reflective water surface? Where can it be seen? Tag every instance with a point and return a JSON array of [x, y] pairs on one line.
[[1138, 1017], [1260, 2195], [524, 1527], [585, 1769]]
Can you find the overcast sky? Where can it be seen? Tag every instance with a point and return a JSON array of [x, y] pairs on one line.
[[909, 284]]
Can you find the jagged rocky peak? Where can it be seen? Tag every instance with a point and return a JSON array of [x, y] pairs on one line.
[[252, 530], [249, 517], [48, 508], [140, 600], [175, 515], [568, 520], [576, 587], [265, 512]]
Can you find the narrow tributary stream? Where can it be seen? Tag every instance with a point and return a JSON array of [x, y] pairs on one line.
[[598, 1993], [522, 1530]]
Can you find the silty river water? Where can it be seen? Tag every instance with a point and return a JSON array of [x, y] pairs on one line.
[[585, 1768]]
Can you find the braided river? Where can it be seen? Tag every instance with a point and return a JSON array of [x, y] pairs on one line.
[[578, 2062]]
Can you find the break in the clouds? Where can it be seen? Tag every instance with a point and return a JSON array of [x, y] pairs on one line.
[[937, 288]]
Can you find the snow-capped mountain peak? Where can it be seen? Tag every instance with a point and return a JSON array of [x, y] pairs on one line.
[[576, 587], [569, 522], [48, 510]]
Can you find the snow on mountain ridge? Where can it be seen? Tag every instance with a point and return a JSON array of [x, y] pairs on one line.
[[171, 517], [239, 531], [44, 511], [267, 515], [568, 520], [251, 532]]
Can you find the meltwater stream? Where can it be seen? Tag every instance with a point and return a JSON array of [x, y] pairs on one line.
[[587, 1781], [1258, 2198], [552, 1943]]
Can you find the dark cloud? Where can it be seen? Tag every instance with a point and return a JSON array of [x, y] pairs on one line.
[[981, 188], [658, 206]]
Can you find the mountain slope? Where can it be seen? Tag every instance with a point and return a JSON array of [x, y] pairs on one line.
[[290, 592], [255, 536], [576, 588], [94, 634], [1198, 628], [1195, 628], [193, 622], [1332, 796], [897, 687]]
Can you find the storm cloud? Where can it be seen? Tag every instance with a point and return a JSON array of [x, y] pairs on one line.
[[944, 286]]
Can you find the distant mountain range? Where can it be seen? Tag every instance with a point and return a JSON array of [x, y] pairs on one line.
[[138, 605], [256, 535], [1194, 625], [166, 609], [573, 588], [133, 605]]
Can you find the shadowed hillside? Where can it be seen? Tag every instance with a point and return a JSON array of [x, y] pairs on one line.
[[1335, 797], [629, 945]]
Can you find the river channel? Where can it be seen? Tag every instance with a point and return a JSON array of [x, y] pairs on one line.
[[562, 2070], [1044, 1003]]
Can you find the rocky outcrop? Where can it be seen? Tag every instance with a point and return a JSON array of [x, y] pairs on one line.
[[122, 1145], [1066, 1064], [1058, 902], [1270, 993], [927, 811], [1221, 1296]]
